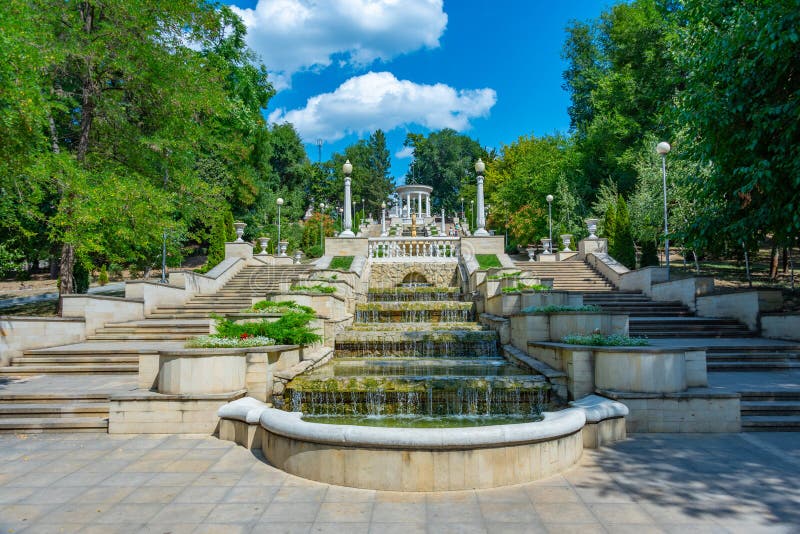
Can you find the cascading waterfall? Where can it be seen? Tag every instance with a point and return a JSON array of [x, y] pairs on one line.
[[415, 357]]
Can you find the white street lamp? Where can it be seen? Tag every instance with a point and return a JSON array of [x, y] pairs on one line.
[[549, 199], [663, 149], [480, 223], [347, 169], [281, 251], [321, 232], [383, 219]]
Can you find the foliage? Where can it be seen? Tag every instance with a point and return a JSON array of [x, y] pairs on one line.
[[216, 248], [526, 287], [621, 248], [649, 254], [310, 242], [741, 101], [290, 329], [102, 277], [561, 309], [269, 306], [9, 260], [504, 275], [215, 342], [603, 340], [487, 261], [341, 263], [80, 275], [317, 288]]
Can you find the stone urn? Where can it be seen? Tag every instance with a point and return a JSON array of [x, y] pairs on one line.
[[565, 239], [531, 250], [263, 242], [591, 225], [546, 245], [282, 246], [298, 255], [239, 226]]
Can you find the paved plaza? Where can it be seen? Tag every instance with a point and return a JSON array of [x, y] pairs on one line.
[[174, 484]]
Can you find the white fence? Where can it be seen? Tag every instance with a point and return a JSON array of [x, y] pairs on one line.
[[414, 247]]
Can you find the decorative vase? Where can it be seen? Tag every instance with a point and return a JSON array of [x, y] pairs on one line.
[[282, 245], [263, 242], [546, 245], [591, 225], [239, 226], [298, 255], [565, 239], [531, 250]]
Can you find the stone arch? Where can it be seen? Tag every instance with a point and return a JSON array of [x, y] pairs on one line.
[[415, 277]]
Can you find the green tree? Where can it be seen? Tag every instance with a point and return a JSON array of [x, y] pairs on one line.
[[216, 248], [622, 247]]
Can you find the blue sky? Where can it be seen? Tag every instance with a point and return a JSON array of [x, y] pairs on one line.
[[342, 68]]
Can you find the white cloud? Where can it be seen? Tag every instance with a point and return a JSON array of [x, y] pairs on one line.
[[293, 35], [405, 152], [379, 100]]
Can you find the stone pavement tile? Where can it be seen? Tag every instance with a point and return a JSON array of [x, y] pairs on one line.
[[263, 477], [124, 454], [459, 528], [257, 494], [15, 516], [510, 494], [694, 529], [178, 441], [288, 512], [201, 454], [10, 495], [164, 454], [202, 494], [130, 513], [223, 528], [516, 528], [453, 497], [397, 528], [217, 479], [555, 480], [81, 478], [345, 512], [182, 513], [174, 528], [147, 466], [300, 494], [575, 528], [504, 512], [172, 479], [399, 496], [299, 482], [604, 493], [282, 527], [343, 494], [214, 443], [75, 512], [236, 513], [551, 494], [755, 526], [104, 494], [106, 466], [628, 528], [399, 512], [673, 514], [87, 454], [564, 513], [454, 513], [53, 495], [36, 479], [153, 495], [339, 528], [47, 528], [109, 528], [65, 467], [621, 513], [127, 479]]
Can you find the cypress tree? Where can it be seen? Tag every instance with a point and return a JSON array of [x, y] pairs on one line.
[[649, 254], [216, 247], [623, 250], [609, 225], [229, 230]]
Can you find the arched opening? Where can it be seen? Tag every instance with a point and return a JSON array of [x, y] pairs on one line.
[[414, 279]]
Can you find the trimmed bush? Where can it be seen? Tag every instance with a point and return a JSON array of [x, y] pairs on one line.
[[318, 288], [487, 261], [341, 263], [603, 340]]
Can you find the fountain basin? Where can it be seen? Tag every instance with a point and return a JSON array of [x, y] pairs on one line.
[[422, 459]]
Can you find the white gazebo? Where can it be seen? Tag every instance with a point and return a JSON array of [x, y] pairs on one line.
[[413, 198]]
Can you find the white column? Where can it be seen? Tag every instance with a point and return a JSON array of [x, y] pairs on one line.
[[443, 225], [409, 205], [399, 205], [481, 222], [427, 205], [348, 220], [419, 205]]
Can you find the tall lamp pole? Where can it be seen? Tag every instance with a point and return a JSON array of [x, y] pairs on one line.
[[472, 216], [663, 149], [321, 232], [549, 199], [462, 207], [281, 252], [164, 259], [383, 219]]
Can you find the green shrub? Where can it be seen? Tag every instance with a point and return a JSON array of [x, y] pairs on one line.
[[487, 261], [603, 340], [214, 342], [269, 306], [504, 275], [216, 247], [558, 309], [102, 277], [318, 288], [649, 254], [525, 287], [291, 329], [80, 277], [341, 263], [621, 248]]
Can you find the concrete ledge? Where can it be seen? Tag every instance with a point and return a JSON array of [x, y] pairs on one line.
[[783, 326], [605, 420], [744, 306], [685, 291], [19, 333]]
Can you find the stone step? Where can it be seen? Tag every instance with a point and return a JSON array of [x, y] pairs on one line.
[[155, 329], [771, 423], [682, 334], [736, 356], [56, 398], [37, 425], [53, 410], [752, 366], [770, 408], [142, 337], [771, 396], [72, 360], [64, 368]]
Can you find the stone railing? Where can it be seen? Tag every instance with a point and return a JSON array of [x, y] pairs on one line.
[[414, 247]]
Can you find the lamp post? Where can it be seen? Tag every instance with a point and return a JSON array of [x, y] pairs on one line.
[[363, 213], [347, 168], [321, 232], [281, 251], [383, 219], [480, 219], [663, 149], [164, 259], [462, 207], [549, 199]]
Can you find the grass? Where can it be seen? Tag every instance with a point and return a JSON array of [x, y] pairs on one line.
[[504, 275], [560, 309], [487, 261], [318, 288], [604, 340], [341, 263], [269, 306], [525, 287]]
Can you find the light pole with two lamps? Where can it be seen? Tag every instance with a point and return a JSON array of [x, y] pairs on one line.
[[663, 149]]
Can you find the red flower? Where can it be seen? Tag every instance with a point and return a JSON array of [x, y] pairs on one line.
[[244, 335]]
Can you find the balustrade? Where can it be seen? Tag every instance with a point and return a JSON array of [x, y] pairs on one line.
[[414, 247]]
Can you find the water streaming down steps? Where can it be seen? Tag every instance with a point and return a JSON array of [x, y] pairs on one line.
[[417, 358]]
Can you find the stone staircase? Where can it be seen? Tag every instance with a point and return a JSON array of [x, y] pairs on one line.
[[569, 275], [753, 358], [113, 352], [770, 411]]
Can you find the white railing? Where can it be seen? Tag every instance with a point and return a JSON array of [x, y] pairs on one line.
[[414, 247]]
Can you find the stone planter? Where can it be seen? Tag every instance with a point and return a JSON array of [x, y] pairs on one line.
[[546, 245], [531, 253], [565, 240], [554, 326], [263, 242], [239, 227], [591, 225]]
